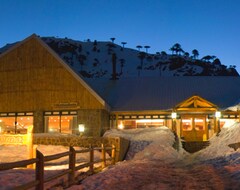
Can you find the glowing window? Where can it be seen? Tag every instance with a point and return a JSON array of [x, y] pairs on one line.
[[187, 124], [17, 124], [199, 124], [61, 124]]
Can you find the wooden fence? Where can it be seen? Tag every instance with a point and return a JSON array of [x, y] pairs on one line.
[[40, 160]]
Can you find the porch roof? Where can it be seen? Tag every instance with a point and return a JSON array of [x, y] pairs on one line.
[[164, 93]]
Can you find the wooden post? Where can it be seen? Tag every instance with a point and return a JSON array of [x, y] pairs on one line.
[[39, 175], [72, 162], [33, 166], [113, 154], [91, 160], [30, 145], [103, 156]]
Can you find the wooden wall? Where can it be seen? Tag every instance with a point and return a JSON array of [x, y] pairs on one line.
[[32, 79]]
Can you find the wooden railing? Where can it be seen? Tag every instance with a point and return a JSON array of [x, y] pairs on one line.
[[40, 161]]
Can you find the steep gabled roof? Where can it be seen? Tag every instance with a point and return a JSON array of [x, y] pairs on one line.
[[61, 61], [165, 93], [195, 103]]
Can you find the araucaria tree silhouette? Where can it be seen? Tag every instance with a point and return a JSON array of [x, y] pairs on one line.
[[139, 47], [112, 39], [123, 44], [81, 59], [141, 56], [146, 47], [195, 53], [177, 49]]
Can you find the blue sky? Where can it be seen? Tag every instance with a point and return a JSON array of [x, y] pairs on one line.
[[210, 26]]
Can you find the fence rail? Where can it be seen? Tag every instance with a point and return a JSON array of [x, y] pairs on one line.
[[40, 160]]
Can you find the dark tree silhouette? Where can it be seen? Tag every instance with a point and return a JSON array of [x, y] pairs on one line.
[[177, 49], [163, 53], [172, 49], [207, 58], [217, 62], [141, 56], [114, 67], [186, 54], [110, 47], [112, 39], [139, 47], [195, 53], [146, 47], [122, 63], [81, 59], [123, 44]]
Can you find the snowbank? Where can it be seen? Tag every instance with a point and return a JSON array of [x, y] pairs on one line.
[[156, 165], [149, 143], [218, 147], [152, 163]]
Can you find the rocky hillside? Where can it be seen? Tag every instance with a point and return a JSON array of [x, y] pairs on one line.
[[93, 59]]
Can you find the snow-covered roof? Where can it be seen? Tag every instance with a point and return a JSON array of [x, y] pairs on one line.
[[163, 93]]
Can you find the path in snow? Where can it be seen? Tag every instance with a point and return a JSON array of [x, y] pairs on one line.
[[151, 175]]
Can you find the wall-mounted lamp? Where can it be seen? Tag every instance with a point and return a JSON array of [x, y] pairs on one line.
[[81, 129], [218, 114], [121, 126], [174, 115]]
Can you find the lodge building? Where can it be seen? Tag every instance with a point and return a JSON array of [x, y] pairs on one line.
[[37, 87]]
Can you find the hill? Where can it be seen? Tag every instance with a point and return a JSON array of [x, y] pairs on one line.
[[93, 59]]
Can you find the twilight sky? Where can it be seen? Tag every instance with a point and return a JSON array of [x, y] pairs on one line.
[[210, 26]]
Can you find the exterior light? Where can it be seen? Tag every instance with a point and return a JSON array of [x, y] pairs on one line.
[[218, 114], [121, 126], [81, 128], [174, 115]]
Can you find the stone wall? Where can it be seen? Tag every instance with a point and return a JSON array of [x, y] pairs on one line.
[[77, 141], [95, 121]]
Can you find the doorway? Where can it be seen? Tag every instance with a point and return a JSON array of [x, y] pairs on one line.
[[194, 128]]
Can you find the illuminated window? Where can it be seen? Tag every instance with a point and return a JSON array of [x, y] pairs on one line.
[[61, 123], [199, 124], [17, 124], [187, 124], [140, 123]]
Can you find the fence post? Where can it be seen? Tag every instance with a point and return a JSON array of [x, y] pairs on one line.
[[91, 160], [113, 154], [72, 162], [103, 156], [39, 175], [30, 145]]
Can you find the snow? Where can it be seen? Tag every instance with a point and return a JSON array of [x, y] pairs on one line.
[[150, 143], [153, 163], [97, 62]]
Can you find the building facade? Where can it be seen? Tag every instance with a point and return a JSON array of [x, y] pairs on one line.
[[38, 88]]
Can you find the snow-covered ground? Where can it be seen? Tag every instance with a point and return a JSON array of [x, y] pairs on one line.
[[152, 163]]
